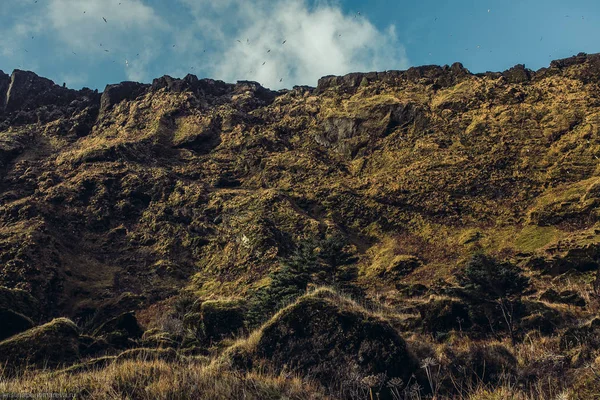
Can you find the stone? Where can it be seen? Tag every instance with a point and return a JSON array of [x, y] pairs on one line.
[[49, 345]]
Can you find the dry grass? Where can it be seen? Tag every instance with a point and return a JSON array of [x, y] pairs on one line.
[[155, 379]]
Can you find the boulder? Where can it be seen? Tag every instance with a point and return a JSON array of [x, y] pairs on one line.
[[48, 345], [114, 94], [121, 331], [331, 339], [13, 323]]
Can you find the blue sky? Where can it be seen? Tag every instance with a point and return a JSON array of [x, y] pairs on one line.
[[282, 43]]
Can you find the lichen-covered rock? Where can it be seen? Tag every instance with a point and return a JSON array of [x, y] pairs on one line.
[[51, 344]]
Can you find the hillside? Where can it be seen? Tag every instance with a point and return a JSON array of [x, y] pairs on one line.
[[142, 212]]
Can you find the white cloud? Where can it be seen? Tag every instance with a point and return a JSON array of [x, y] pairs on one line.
[[320, 40], [139, 36], [80, 34]]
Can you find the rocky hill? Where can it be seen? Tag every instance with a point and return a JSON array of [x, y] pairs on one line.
[[147, 212]]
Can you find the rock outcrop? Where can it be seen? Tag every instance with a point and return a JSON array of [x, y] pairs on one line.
[[48, 345], [329, 338]]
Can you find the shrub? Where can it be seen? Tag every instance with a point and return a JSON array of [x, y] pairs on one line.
[[319, 262], [487, 280]]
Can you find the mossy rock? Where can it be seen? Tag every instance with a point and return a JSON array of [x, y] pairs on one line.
[[329, 338], [51, 344], [222, 318], [20, 301], [121, 331], [444, 315], [12, 322]]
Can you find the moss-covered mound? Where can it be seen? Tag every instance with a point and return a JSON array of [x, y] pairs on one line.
[[330, 339], [51, 344]]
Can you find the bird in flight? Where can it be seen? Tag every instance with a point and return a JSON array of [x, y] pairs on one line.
[[268, 51], [264, 63], [284, 42], [105, 20]]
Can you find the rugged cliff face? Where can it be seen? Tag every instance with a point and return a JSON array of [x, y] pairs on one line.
[[204, 185], [458, 210]]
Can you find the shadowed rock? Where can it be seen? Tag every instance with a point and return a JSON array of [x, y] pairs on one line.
[[52, 344], [120, 331], [330, 338], [114, 94]]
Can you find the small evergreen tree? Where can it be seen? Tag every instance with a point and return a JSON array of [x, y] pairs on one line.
[[323, 262], [502, 283]]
